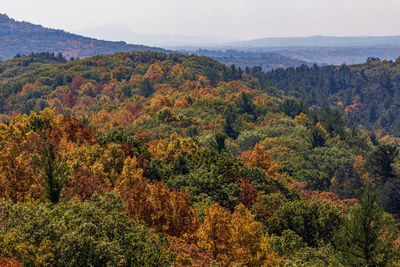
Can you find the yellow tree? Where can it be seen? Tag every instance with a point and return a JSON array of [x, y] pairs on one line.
[[303, 120], [250, 246], [113, 162], [245, 234], [235, 239], [131, 173], [168, 149], [18, 181], [214, 236], [184, 221], [15, 130]]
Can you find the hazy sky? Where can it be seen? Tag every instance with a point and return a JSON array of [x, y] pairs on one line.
[[242, 19]]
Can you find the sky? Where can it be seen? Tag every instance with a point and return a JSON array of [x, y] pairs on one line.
[[240, 19]]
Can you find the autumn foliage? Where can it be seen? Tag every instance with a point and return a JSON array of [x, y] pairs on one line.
[[151, 159], [260, 158]]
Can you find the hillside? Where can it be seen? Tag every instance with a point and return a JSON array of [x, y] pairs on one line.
[[23, 38], [153, 159], [367, 93]]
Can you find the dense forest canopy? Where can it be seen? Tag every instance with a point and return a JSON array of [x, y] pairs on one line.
[[367, 94], [144, 159]]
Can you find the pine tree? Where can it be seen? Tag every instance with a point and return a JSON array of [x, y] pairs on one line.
[[381, 161], [146, 88], [54, 173], [367, 235]]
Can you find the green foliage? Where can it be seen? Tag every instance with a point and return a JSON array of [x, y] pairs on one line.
[[287, 244], [94, 233], [55, 173], [293, 107], [245, 105], [134, 103], [331, 120], [324, 255], [367, 235], [367, 92], [313, 221], [219, 142], [202, 182], [146, 88], [316, 137], [380, 163], [230, 124]]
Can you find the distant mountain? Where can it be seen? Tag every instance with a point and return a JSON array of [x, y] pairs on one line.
[[124, 33], [23, 38], [321, 41]]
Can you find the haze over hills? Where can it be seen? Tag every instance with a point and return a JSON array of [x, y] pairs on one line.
[[23, 38], [124, 33], [270, 53], [321, 41], [339, 55], [266, 52], [321, 49]]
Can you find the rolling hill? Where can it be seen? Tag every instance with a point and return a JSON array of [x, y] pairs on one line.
[[368, 93], [151, 154]]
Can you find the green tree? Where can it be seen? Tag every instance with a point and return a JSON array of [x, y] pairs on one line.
[[97, 232], [219, 142], [230, 125], [293, 107], [312, 221], [146, 88], [380, 163], [367, 235], [245, 104], [331, 119], [54, 172]]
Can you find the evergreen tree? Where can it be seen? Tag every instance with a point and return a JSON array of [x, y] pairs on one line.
[[219, 142], [228, 125], [54, 173], [292, 107], [380, 163], [331, 120], [146, 88], [245, 105], [367, 234]]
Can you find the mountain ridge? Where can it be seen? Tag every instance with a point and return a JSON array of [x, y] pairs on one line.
[[321, 41], [23, 38]]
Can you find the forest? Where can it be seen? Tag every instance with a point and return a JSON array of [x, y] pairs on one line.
[[368, 93], [153, 159]]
